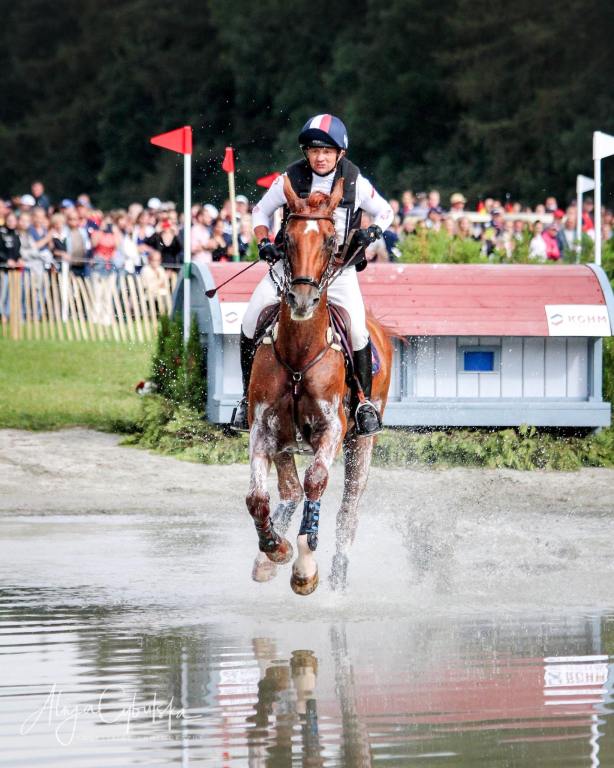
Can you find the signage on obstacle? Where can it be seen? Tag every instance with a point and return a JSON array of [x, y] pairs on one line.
[[578, 320]]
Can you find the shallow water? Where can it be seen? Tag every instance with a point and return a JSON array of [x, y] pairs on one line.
[[478, 627]]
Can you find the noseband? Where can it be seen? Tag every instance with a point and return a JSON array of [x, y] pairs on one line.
[[291, 281]]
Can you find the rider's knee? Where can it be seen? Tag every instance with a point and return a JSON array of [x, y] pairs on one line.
[[360, 338]]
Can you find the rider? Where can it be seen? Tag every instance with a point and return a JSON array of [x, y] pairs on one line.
[[324, 143]]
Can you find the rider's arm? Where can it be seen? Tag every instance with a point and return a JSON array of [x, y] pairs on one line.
[[262, 213], [373, 203]]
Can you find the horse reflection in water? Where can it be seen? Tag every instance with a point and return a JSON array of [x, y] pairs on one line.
[[287, 697], [298, 397]]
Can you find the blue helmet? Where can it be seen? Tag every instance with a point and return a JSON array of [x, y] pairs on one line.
[[324, 131]]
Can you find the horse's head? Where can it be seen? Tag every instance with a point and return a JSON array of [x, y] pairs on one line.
[[310, 244]]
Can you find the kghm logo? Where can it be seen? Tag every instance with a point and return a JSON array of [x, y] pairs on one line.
[[556, 319]]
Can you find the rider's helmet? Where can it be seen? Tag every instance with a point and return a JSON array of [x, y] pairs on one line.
[[324, 131]]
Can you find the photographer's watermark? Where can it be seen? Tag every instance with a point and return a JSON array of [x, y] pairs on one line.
[[115, 706]]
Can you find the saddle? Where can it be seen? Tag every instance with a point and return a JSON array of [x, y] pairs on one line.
[[340, 324]]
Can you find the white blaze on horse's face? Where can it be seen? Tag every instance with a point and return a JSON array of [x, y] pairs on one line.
[[311, 225]]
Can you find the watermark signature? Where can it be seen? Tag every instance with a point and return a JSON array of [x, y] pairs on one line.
[[115, 705]]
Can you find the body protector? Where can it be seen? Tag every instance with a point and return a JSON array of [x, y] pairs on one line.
[[301, 175]]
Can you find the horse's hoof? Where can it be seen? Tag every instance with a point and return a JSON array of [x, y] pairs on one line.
[[302, 585], [263, 570], [282, 554]]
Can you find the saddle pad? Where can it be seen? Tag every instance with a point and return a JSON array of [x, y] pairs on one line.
[[340, 320]]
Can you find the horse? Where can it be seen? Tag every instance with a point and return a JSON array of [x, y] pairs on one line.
[[297, 401]]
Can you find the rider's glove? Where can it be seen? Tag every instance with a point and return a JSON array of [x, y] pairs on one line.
[[364, 237], [268, 252]]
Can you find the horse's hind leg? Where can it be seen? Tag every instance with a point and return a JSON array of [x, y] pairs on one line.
[[357, 452], [290, 494]]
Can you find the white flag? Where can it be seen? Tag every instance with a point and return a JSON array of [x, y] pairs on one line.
[[584, 184], [603, 145]]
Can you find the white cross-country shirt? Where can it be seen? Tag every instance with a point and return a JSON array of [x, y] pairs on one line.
[[367, 198]]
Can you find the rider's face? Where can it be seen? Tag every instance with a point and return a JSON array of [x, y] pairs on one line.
[[322, 159]]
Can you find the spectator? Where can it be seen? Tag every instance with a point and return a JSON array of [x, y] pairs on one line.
[[129, 257], [40, 197], [39, 233], [519, 230], [105, 245], [33, 260], [143, 229], [201, 235], [408, 227], [449, 226], [241, 205], [464, 229], [421, 208], [58, 237], [165, 240], [9, 258], [434, 199], [154, 276], [246, 235], [78, 245], [407, 203], [433, 218], [538, 250], [457, 203], [9, 242], [551, 204], [4, 209], [550, 238], [566, 236], [220, 244], [26, 203]]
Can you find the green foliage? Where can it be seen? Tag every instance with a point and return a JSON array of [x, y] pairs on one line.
[[431, 247], [179, 373], [524, 448], [179, 430]]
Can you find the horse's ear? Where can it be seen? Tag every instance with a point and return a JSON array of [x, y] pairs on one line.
[[294, 201], [336, 195]]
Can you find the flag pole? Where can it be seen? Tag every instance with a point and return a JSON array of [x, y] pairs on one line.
[[233, 213], [187, 243], [597, 177], [579, 196]]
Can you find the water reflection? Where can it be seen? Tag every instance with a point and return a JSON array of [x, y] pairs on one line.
[[138, 689]]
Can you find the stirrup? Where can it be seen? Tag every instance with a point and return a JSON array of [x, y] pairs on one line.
[[367, 419], [239, 421]]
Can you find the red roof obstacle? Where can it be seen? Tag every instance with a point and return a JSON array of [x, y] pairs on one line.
[[454, 299]]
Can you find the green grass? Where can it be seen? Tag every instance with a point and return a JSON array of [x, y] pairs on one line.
[[52, 384]]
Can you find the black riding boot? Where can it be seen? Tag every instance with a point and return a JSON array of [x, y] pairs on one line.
[[247, 349], [367, 418]]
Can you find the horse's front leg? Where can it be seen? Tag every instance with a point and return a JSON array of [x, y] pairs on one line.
[[290, 495], [305, 569], [276, 547]]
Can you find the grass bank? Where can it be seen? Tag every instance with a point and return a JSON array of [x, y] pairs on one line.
[[53, 384]]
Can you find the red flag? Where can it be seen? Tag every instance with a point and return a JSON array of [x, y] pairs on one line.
[[266, 181], [229, 161], [179, 140]]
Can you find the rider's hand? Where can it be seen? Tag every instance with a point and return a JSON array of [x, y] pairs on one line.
[[268, 252], [367, 236]]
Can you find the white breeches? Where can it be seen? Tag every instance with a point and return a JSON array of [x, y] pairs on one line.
[[345, 292]]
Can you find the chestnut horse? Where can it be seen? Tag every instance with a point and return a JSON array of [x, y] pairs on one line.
[[297, 401]]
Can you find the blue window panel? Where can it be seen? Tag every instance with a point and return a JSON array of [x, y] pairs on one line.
[[480, 360]]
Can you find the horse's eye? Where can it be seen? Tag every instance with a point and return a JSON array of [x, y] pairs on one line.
[[329, 243]]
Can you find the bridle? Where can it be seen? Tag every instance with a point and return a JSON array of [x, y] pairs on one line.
[[289, 281]]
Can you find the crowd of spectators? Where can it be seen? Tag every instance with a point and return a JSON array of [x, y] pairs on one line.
[[547, 232], [37, 234]]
